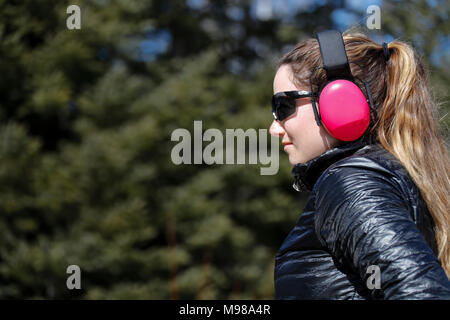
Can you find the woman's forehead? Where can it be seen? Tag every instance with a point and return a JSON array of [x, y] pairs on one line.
[[283, 80]]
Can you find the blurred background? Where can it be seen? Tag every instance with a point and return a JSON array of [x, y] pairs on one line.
[[86, 117]]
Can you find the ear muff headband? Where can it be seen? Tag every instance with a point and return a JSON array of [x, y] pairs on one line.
[[334, 56]]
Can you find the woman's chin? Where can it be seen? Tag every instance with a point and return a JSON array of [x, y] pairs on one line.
[[293, 160], [297, 158]]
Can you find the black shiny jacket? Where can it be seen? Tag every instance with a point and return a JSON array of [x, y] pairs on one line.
[[363, 210]]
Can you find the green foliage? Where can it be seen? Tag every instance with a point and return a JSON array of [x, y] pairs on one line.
[[86, 175]]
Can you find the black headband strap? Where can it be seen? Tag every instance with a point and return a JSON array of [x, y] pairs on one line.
[[334, 57]]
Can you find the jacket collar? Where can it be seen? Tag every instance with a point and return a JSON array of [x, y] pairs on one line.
[[306, 174]]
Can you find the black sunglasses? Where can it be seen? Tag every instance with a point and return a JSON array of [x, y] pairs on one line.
[[283, 103]]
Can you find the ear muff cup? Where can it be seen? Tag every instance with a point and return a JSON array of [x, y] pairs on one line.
[[344, 110]]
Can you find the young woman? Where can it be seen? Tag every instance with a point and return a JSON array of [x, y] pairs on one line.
[[376, 224]]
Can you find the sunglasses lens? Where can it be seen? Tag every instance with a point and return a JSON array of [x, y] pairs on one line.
[[283, 107]]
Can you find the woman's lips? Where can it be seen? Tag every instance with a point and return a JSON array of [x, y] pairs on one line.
[[286, 144]]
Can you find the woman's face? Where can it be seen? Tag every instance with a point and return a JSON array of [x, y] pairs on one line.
[[300, 135]]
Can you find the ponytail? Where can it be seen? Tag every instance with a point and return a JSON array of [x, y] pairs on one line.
[[407, 127]]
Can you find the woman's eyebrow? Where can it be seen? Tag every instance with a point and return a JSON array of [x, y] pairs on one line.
[[303, 100]]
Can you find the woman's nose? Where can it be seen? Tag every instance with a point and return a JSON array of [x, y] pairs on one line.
[[276, 129]]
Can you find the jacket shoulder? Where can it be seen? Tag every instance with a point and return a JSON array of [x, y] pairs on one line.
[[372, 160], [374, 167]]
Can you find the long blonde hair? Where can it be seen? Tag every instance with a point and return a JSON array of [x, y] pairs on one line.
[[406, 122]]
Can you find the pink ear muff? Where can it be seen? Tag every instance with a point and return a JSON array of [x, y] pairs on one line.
[[344, 110]]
